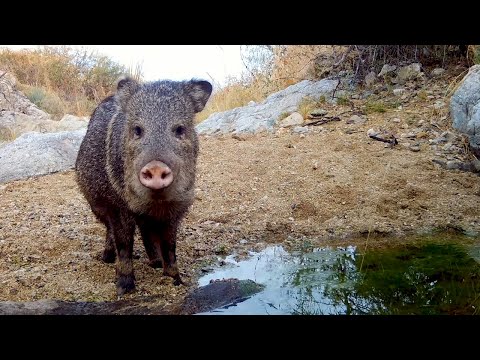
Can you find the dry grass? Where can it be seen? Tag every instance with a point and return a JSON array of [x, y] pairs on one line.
[[237, 92], [64, 80]]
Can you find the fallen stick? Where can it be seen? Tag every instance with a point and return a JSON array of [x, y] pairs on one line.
[[323, 121]]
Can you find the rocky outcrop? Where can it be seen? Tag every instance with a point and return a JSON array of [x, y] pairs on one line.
[[13, 100], [35, 154], [265, 115], [465, 107], [18, 115]]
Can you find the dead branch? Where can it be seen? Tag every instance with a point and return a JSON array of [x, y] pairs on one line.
[[323, 121], [392, 141]]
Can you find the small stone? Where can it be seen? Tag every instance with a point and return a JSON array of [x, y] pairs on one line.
[[398, 92], [315, 165], [318, 112], [300, 129], [355, 119], [291, 218], [453, 165], [292, 120], [243, 241], [439, 104], [302, 136], [437, 72], [370, 79], [409, 72], [371, 132], [396, 120], [449, 136], [414, 148], [447, 146], [387, 69]]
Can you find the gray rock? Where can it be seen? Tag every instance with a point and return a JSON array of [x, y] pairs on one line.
[[301, 129], [409, 72], [465, 107], [355, 119], [438, 140], [387, 69], [318, 112], [437, 72], [34, 154], [414, 148], [292, 120], [14, 100], [398, 92], [447, 146], [396, 120], [370, 79], [439, 104], [454, 165], [263, 116]]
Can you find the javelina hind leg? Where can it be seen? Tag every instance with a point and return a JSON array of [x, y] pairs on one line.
[[109, 255], [123, 230]]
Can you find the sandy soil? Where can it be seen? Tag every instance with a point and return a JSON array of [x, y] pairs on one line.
[[331, 185]]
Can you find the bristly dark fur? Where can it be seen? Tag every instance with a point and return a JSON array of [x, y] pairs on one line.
[[111, 157]]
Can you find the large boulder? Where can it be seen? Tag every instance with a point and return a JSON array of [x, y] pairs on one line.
[[34, 154], [264, 116], [465, 107]]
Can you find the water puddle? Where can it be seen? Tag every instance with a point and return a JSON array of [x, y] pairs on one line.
[[430, 275]]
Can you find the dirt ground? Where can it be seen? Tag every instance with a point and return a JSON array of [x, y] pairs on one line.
[[330, 185]]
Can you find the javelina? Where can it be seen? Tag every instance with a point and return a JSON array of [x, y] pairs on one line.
[[136, 166]]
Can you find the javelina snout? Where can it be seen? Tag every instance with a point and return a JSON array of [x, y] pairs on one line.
[[156, 175], [136, 167]]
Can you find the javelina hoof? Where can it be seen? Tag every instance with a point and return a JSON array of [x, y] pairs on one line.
[[156, 264], [177, 281], [108, 256], [125, 285], [172, 271]]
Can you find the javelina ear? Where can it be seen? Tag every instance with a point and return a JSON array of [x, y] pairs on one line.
[[199, 91], [126, 87]]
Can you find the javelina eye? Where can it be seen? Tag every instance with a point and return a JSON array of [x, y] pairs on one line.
[[137, 131], [180, 131]]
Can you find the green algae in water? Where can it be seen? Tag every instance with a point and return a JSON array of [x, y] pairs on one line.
[[426, 276]]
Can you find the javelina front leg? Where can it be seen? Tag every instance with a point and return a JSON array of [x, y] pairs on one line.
[[153, 252], [123, 230], [168, 245], [161, 238]]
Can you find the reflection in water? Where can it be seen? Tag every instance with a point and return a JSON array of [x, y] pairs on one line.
[[431, 278]]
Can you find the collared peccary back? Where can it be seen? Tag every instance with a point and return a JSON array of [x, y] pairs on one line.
[[136, 166]]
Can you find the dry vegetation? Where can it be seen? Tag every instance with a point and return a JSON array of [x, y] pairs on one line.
[[273, 68], [63, 80]]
